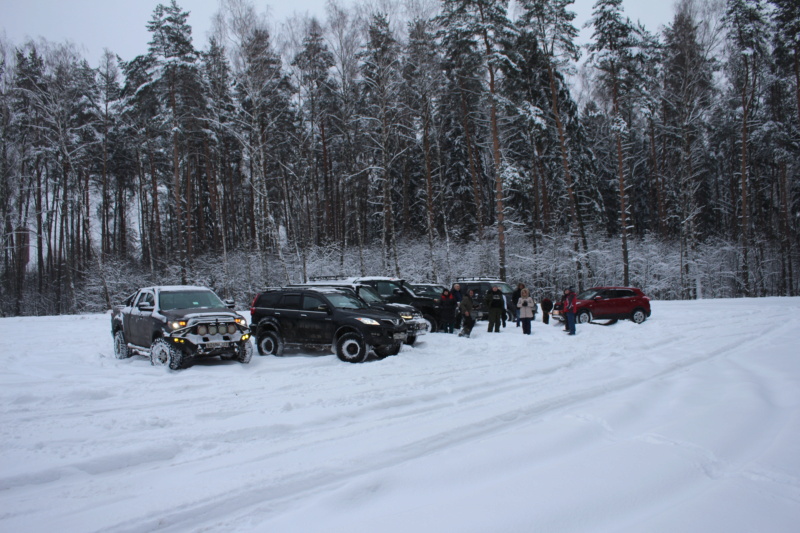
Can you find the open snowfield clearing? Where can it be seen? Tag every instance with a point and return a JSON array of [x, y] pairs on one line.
[[689, 422]]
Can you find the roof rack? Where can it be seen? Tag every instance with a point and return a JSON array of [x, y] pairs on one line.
[[326, 278]]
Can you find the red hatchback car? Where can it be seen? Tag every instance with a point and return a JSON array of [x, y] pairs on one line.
[[604, 303]]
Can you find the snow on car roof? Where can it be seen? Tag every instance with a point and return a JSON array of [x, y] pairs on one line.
[[173, 288]]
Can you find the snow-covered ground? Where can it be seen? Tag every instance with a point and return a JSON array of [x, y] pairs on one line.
[[689, 422]]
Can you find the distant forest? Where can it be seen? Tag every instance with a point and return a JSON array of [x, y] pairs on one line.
[[422, 140]]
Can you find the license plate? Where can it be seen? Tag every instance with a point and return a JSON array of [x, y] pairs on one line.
[[399, 336], [215, 345]]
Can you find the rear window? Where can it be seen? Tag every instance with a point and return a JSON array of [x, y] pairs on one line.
[[290, 301], [268, 299]]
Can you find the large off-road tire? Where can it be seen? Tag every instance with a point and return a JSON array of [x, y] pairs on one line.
[[245, 352], [584, 317], [411, 339], [433, 326], [387, 350], [270, 343], [121, 350], [351, 348], [638, 316], [162, 353]]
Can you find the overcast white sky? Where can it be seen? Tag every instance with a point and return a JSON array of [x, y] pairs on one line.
[[121, 25]]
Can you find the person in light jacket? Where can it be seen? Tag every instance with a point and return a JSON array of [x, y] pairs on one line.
[[527, 309]]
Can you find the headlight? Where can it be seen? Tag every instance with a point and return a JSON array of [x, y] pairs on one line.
[[202, 330], [178, 324], [241, 321], [406, 317], [368, 321], [231, 328]]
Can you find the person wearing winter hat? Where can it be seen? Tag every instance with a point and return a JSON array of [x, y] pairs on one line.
[[569, 304]]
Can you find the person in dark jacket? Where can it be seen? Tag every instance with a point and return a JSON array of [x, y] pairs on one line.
[[456, 292], [448, 312], [569, 305], [515, 296], [547, 306], [496, 305], [467, 312]]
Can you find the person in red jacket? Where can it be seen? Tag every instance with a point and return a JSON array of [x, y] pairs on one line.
[[569, 304]]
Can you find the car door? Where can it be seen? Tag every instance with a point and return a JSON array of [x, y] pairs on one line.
[[603, 304], [140, 329], [623, 303], [315, 323], [288, 315]]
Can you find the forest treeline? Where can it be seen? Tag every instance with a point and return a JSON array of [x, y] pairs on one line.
[[452, 138]]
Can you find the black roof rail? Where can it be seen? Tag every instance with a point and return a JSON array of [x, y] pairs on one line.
[[326, 278], [478, 278]]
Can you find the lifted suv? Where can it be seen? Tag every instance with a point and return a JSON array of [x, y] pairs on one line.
[[601, 303], [324, 317]]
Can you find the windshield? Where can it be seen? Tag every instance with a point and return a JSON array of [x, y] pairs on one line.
[[369, 295], [588, 294], [345, 301], [189, 300], [431, 291], [505, 288]]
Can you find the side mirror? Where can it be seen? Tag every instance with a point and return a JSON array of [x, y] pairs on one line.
[[397, 292], [230, 304], [598, 298], [326, 308], [144, 306]]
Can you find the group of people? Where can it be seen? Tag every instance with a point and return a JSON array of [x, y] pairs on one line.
[[458, 310]]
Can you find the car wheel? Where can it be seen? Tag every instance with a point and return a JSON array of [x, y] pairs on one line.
[[639, 316], [121, 350], [270, 343], [245, 352], [351, 348], [387, 350], [584, 317], [432, 325], [162, 353], [411, 339]]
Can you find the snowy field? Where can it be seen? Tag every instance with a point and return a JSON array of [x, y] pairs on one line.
[[689, 422]]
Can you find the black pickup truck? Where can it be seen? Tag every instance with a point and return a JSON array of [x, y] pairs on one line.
[[174, 325]]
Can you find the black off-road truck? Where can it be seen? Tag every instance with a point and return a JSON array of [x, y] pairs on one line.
[[176, 324]]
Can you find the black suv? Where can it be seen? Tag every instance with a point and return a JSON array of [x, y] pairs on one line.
[[397, 290], [482, 285], [413, 318], [324, 317]]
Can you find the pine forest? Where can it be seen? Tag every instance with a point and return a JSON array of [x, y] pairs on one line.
[[420, 140]]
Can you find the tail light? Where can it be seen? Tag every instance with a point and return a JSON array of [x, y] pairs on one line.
[[253, 305]]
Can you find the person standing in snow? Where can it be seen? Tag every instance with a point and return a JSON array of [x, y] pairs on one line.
[[448, 312], [456, 292], [515, 296], [547, 306], [467, 312], [526, 308], [569, 304], [496, 305]]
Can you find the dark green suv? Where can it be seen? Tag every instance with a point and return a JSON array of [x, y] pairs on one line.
[[324, 317]]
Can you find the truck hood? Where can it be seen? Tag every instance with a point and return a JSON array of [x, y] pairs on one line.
[[223, 313]]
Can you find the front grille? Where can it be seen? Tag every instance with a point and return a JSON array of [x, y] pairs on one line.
[[392, 321]]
